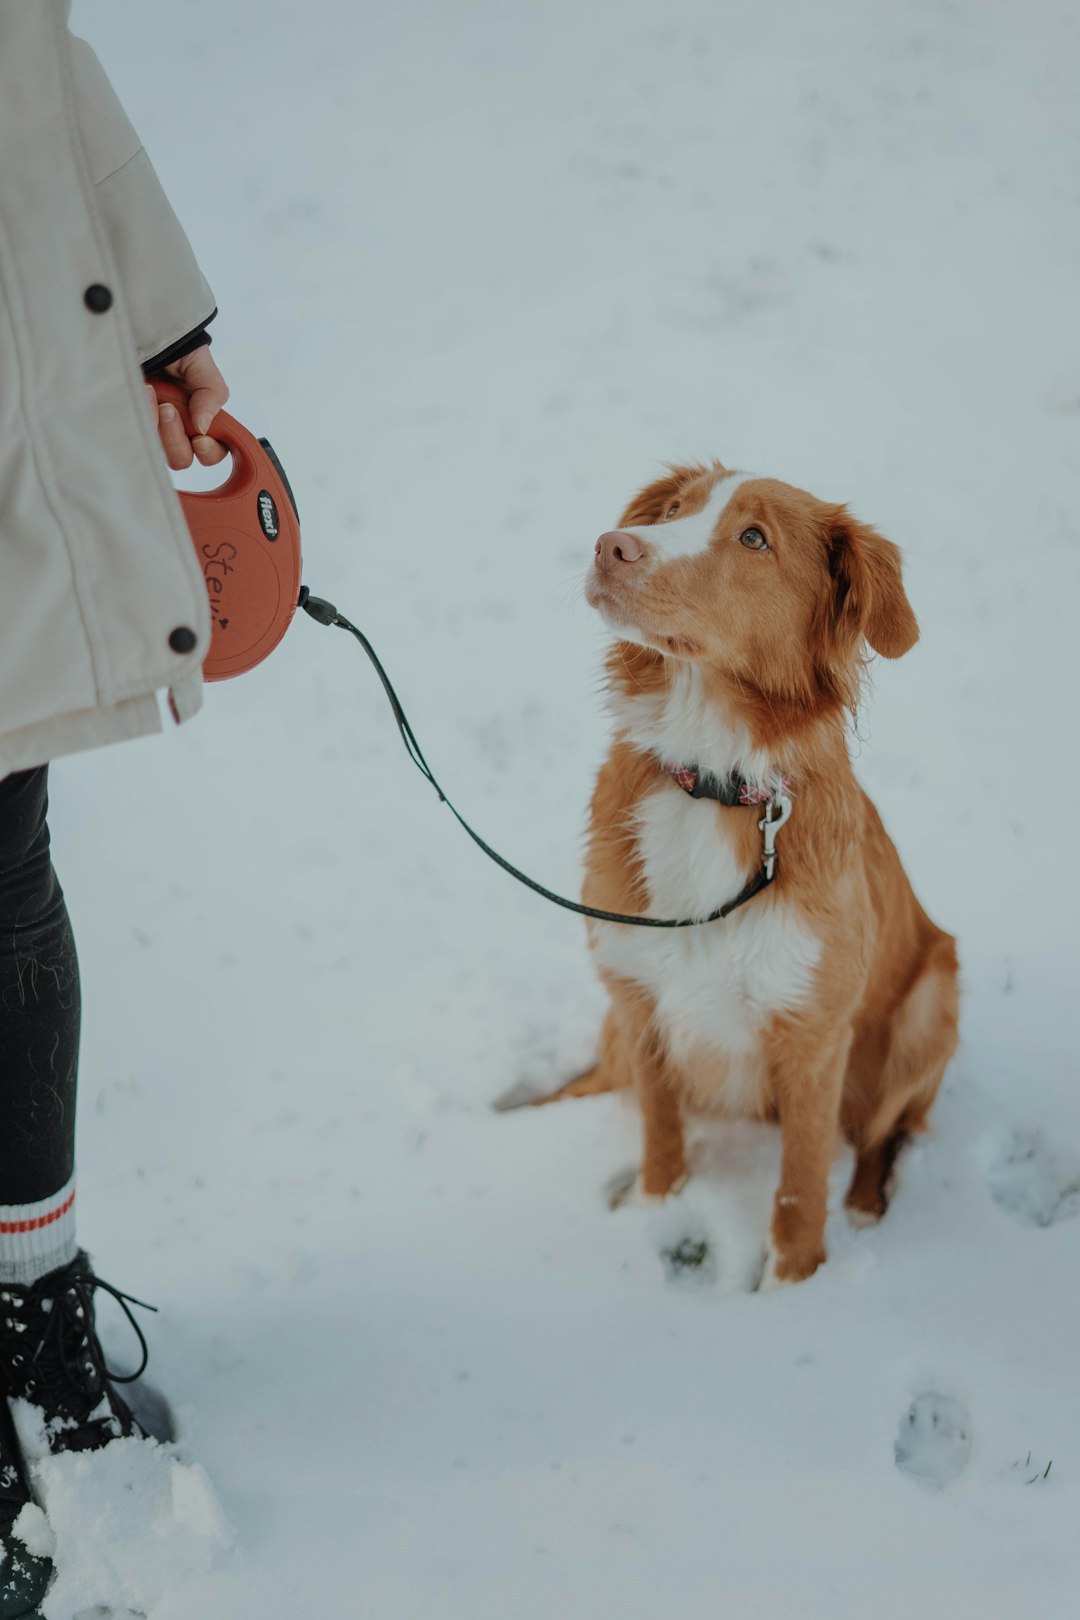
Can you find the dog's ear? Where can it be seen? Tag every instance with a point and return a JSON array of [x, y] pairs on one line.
[[654, 502], [867, 600]]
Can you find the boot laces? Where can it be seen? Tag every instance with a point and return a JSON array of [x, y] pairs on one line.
[[68, 1341]]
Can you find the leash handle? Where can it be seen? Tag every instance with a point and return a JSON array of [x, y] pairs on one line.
[[246, 535], [326, 613]]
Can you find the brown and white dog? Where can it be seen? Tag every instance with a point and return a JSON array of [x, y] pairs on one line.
[[828, 1002]]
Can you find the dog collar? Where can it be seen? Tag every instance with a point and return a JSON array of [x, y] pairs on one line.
[[730, 790]]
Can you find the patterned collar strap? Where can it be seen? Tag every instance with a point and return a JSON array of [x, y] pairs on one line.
[[729, 790]]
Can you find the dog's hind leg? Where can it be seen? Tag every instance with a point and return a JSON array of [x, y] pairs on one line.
[[871, 1185], [921, 1041]]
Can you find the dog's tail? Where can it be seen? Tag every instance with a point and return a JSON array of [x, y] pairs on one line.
[[592, 1083]]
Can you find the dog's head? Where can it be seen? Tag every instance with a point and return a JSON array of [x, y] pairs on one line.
[[770, 589]]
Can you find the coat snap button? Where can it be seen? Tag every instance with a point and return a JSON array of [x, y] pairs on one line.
[[182, 639], [97, 298]]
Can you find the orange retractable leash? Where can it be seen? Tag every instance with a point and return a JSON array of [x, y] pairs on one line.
[[247, 539], [246, 534]]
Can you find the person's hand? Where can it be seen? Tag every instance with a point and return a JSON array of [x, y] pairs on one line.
[[207, 391]]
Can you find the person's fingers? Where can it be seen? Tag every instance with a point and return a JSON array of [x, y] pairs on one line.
[[174, 441], [209, 451], [205, 404], [151, 400], [208, 390]]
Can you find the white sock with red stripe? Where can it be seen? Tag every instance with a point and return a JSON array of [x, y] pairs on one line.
[[36, 1238]]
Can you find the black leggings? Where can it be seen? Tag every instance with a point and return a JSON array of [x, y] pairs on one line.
[[39, 1002]]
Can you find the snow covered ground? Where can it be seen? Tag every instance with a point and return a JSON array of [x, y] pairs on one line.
[[481, 267]]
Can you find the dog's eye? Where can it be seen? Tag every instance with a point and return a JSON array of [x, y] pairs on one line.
[[753, 540], [672, 509]]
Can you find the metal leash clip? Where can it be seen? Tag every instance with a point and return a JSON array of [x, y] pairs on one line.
[[777, 812]]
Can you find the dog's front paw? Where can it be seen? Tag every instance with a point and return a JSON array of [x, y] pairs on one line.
[[780, 1269], [630, 1189], [768, 1280]]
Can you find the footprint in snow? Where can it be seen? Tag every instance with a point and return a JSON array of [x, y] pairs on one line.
[[934, 1442], [682, 1241], [687, 1257], [1034, 1183]]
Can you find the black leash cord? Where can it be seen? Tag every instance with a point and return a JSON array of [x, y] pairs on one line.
[[326, 613]]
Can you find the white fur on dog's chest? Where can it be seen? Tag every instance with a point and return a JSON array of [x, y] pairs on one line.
[[717, 985]]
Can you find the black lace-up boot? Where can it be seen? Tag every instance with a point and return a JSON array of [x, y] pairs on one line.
[[50, 1356], [23, 1575]]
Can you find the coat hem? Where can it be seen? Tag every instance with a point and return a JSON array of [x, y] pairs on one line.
[[46, 740]]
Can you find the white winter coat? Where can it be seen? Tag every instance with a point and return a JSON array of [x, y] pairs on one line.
[[97, 571]]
